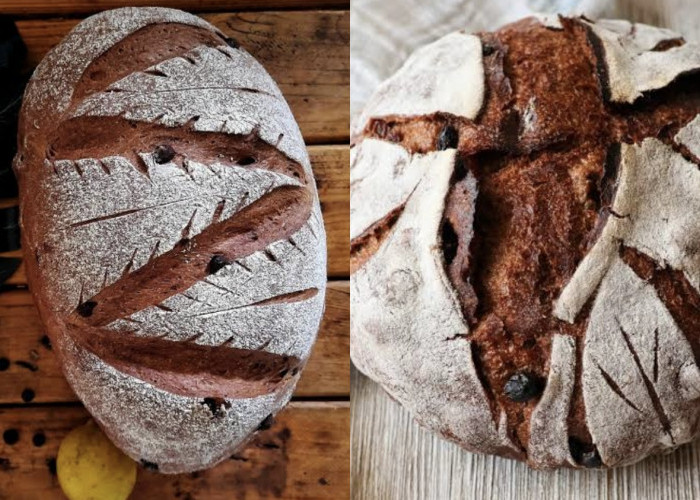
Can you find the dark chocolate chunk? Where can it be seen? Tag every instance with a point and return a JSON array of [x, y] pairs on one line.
[[216, 263], [85, 309], [232, 42], [266, 423], [4, 364], [10, 436], [27, 395], [163, 154], [149, 465], [39, 439], [448, 138], [522, 387], [585, 454]]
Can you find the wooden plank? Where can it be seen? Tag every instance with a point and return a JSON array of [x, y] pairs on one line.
[[303, 456], [392, 457], [307, 53], [74, 7], [32, 365], [331, 165]]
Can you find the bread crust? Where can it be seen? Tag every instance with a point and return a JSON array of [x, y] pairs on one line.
[[173, 234], [565, 248]]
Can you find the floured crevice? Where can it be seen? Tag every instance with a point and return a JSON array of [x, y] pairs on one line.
[[286, 298], [128, 56], [673, 288], [367, 244], [275, 216], [653, 395], [187, 368], [85, 137]]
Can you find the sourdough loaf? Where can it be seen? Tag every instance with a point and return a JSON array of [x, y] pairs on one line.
[[172, 233], [525, 247]]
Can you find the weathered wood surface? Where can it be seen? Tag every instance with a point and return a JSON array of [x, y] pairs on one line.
[[306, 52], [330, 164], [393, 458], [74, 7], [303, 456]]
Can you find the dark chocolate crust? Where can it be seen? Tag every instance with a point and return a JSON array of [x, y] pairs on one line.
[[544, 151]]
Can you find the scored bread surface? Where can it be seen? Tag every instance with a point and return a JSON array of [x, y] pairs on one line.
[[173, 233], [554, 233]]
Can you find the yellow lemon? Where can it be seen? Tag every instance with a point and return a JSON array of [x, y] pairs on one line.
[[90, 467]]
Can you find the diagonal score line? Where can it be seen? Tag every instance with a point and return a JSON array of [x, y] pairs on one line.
[[124, 213]]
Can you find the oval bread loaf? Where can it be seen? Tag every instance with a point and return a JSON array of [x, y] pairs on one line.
[[526, 240], [172, 233]]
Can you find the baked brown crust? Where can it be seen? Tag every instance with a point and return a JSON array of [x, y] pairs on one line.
[[544, 155]]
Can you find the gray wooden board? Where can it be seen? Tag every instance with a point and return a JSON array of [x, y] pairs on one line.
[[393, 458]]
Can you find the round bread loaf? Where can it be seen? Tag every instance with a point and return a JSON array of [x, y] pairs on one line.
[[525, 224], [172, 233]]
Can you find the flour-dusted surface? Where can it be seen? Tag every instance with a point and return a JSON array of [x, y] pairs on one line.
[[180, 266]]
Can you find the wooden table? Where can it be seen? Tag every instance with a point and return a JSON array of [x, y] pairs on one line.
[[304, 46]]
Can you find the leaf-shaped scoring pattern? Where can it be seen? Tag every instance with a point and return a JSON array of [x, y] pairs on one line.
[[176, 91], [255, 293], [637, 364], [101, 237]]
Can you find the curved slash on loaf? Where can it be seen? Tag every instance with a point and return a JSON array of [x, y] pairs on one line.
[[399, 295]]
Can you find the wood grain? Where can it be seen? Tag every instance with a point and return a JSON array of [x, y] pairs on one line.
[[303, 456], [21, 334], [307, 53], [330, 164], [74, 7], [393, 458]]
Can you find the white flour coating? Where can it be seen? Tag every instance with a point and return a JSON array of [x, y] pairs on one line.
[[657, 202], [90, 253], [374, 166], [221, 307], [177, 433], [108, 217], [550, 21], [407, 324], [241, 99], [549, 431], [633, 66], [446, 76], [632, 359]]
